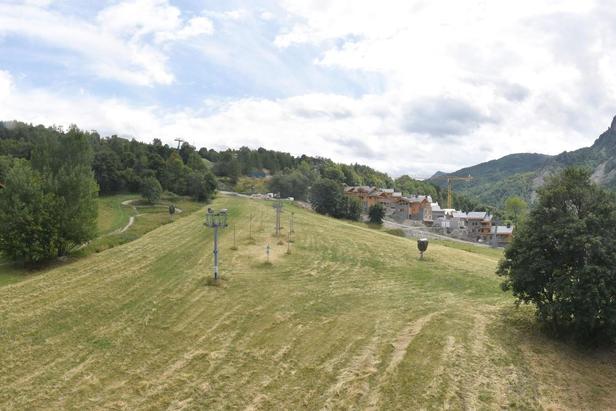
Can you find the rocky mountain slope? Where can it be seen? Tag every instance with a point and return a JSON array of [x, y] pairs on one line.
[[521, 174]]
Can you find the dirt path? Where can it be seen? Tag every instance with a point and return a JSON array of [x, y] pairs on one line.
[[131, 220]]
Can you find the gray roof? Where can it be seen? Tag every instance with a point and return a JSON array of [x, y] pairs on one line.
[[418, 198], [502, 229], [478, 215]]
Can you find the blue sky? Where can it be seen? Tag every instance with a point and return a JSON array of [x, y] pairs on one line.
[[404, 86]]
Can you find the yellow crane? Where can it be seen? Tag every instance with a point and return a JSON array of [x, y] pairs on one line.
[[450, 180]]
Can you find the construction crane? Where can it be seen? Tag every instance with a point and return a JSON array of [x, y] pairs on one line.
[[450, 180], [180, 141]]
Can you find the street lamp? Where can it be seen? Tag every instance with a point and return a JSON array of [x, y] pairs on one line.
[[216, 220]]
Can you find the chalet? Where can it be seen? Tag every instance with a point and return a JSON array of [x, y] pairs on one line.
[[479, 225], [420, 208], [458, 220], [437, 211], [369, 196], [416, 207], [365, 194], [501, 235]]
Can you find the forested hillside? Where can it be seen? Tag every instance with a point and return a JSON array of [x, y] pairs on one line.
[[494, 181], [521, 174], [120, 165]]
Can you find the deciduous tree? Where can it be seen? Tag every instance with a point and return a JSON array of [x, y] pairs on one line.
[[563, 258]]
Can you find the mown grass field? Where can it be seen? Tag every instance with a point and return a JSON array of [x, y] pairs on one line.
[[113, 217], [350, 319]]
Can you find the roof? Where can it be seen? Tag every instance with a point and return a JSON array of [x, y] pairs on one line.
[[502, 229], [477, 215], [358, 189], [418, 199], [459, 214]]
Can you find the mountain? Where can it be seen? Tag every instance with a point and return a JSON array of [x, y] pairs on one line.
[[521, 174], [495, 180]]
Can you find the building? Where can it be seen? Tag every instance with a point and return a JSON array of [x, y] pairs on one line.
[[416, 207], [437, 211], [367, 196], [458, 220], [420, 208], [501, 235], [479, 225]]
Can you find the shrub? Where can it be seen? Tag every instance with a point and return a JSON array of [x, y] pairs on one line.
[[563, 258], [376, 213], [151, 190]]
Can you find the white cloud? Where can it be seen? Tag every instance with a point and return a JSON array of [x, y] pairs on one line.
[[458, 82], [267, 15], [367, 130], [138, 18], [6, 84], [121, 45], [517, 76]]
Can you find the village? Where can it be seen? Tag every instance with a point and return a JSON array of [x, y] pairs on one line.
[[421, 210]]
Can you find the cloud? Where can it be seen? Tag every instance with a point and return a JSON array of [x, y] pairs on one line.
[[123, 44], [405, 86], [442, 117], [267, 15], [6, 84]]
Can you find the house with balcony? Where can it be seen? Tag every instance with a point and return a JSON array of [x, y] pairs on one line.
[[479, 225]]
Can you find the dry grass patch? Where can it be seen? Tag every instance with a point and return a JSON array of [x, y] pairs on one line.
[[349, 319]]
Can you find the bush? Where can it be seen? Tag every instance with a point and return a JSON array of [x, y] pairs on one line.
[[327, 198], [563, 258], [376, 213], [49, 205], [151, 190]]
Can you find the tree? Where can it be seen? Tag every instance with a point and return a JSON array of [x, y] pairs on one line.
[[293, 185], [175, 174], [201, 185], [151, 190], [107, 168], [516, 208], [326, 197], [65, 163], [563, 258], [333, 172], [28, 228], [352, 208], [376, 213]]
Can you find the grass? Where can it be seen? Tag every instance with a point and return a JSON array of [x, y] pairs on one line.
[[113, 216], [350, 319]]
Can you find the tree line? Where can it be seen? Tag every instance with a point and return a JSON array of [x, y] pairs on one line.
[[114, 165], [52, 178]]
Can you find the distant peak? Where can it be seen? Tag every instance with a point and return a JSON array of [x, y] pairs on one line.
[[438, 174], [613, 126]]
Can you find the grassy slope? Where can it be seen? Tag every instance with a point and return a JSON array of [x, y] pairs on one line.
[[350, 319], [112, 216]]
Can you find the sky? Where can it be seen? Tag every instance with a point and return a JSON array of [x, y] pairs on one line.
[[407, 87]]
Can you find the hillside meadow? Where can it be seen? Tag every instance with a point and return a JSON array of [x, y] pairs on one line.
[[351, 318]]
